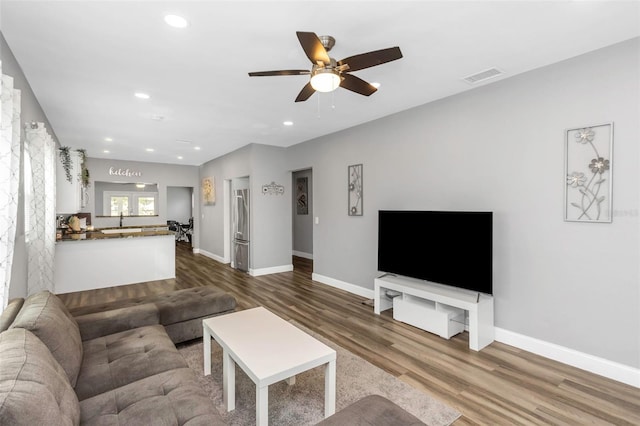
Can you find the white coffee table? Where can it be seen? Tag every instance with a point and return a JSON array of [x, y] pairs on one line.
[[268, 349]]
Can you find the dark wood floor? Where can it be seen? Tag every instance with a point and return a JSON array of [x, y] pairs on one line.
[[500, 385]]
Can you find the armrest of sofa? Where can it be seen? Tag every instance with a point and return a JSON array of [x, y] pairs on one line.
[[101, 324]]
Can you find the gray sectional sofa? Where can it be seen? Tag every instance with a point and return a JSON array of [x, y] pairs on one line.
[[119, 367], [55, 370]]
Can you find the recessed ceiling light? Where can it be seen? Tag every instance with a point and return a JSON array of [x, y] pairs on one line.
[[141, 95], [176, 21], [149, 149], [108, 140], [288, 123], [197, 148], [375, 84], [106, 151], [179, 157], [157, 117]]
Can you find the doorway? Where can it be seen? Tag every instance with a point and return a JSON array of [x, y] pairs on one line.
[[180, 213], [302, 221]]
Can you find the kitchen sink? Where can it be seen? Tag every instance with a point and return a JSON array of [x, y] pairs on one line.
[[121, 230]]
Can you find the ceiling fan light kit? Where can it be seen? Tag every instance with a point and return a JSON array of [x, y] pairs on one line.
[[327, 74], [325, 80]]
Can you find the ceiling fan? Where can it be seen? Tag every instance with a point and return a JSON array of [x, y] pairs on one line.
[[326, 73]]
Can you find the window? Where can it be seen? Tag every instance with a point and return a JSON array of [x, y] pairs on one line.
[[146, 206], [130, 203], [119, 204]]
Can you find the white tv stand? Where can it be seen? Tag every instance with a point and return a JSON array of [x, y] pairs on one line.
[[432, 307]]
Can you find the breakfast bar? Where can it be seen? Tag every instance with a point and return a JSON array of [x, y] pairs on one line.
[[112, 257]]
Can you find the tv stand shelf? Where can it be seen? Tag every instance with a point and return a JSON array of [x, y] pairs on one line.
[[435, 301]]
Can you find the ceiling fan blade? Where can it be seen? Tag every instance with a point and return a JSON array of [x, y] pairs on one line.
[[371, 59], [305, 93], [280, 72], [313, 47], [358, 85]]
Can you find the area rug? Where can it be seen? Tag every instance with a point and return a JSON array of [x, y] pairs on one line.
[[303, 403]]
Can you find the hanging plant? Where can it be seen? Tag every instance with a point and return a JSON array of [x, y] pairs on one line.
[[84, 171], [65, 158]]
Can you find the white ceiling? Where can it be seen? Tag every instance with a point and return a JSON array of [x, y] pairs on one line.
[[85, 59]]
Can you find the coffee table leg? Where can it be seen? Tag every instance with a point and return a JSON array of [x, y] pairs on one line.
[[206, 340], [330, 388], [228, 380], [262, 405]]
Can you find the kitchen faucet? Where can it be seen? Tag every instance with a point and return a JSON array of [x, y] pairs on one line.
[[120, 219]]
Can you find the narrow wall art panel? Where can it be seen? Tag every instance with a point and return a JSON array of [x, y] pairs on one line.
[[588, 171], [208, 191], [355, 190], [302, 196]]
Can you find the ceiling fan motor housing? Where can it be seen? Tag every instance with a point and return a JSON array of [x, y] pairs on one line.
[[327, 41]]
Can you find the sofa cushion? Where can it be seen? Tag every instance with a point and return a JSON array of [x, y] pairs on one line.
[[104, 323], [372, 410], [171, 398], [174, 306], [45, 315], [34, 388], [196, 302], [10, 312], [122, 358]]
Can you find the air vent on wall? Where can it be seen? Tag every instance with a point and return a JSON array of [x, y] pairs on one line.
[[483, 75]]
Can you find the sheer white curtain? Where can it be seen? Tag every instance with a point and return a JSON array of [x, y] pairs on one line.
[[9, 179], [40, 215]]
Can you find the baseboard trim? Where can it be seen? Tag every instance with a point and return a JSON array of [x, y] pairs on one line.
[[271, 270], [351, 288], [593, 364], [603, 367], [209, 255], [302, 254]]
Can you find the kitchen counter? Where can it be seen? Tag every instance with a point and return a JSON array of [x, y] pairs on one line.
[[98, 235], [107, 260]]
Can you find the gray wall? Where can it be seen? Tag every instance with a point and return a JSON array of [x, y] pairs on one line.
[[303, 223], [501, 148], [233, 165], [30, 111], [164, 175], [270, 215], [179, 203]]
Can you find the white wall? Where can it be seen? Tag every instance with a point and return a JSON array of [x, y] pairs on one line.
[[501, 148]]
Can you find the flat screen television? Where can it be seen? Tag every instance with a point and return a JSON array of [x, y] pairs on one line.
[[453, 248]]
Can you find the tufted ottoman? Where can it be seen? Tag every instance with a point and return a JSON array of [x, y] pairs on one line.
[[181, 312]]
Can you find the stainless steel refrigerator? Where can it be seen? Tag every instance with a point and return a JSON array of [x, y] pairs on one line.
[[241, 229]]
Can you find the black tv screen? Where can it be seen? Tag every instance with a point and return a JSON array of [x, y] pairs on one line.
[[454, 248]]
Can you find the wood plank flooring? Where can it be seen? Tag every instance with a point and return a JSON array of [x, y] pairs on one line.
[[500, 385]]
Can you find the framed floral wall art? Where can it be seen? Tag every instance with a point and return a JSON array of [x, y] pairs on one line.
[[588, 171], [208, 191]]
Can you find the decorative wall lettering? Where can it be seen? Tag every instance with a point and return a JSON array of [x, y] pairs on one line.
[[123, 172], [272, 188]]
